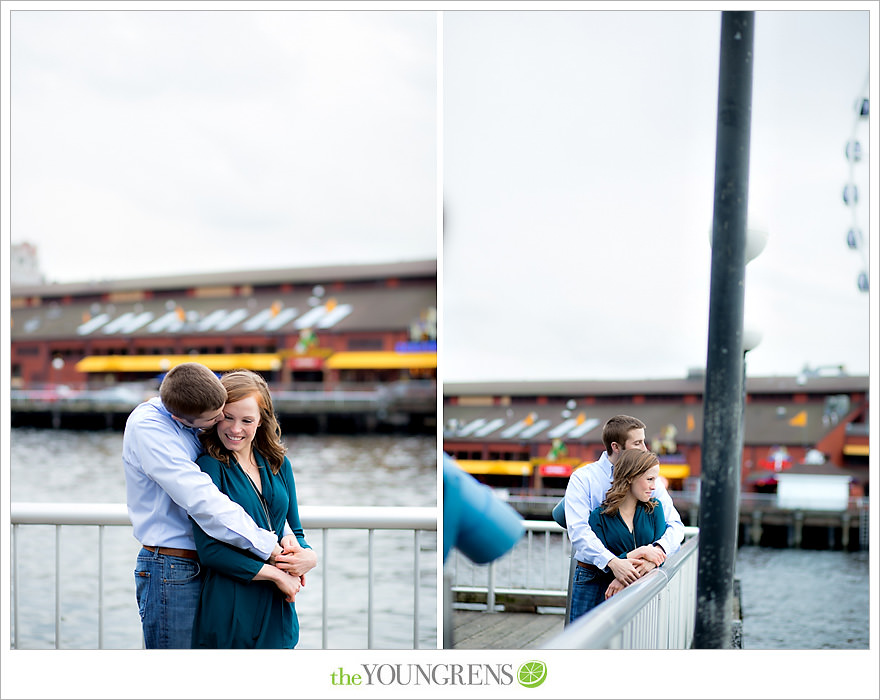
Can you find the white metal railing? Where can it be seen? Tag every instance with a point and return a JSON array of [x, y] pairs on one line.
[[325, 519], [530, 568], [655, 612], [540, 563]]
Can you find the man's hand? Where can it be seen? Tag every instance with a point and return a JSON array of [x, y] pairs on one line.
[[296, 560], [623, 570], [614, 587], [653, 554]]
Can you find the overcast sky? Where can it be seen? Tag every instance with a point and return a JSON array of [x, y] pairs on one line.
[[578, 169], [579, 152], [163, 142]]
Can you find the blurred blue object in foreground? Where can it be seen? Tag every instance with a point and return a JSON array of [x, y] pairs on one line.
[[559, 513], [475, 521]]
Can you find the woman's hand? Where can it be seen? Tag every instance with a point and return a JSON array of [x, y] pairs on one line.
[[289, 585], [643, 566], [653, 554], [614, 587]]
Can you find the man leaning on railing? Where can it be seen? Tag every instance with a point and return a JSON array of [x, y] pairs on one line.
[[585, 492]]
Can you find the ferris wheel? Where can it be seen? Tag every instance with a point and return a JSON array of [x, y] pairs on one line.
[[855, 153]]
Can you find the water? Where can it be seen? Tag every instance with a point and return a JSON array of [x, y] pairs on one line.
[[86, 466], [803, 599]]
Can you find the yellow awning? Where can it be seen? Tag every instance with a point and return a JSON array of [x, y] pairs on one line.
[[480, 466], [382, 360], [674, 471], [856, 450], [260, 362]]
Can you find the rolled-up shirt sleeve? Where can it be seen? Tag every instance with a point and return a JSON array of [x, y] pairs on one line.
[[167, 463], [588, 547]]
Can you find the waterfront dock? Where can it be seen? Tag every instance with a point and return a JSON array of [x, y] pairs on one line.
[[476, 629]]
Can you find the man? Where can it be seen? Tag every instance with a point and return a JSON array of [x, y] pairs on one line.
[[586, 491], [164, 488]]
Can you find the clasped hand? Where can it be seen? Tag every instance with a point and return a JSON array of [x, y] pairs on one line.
[[638, 562], [295, 559]]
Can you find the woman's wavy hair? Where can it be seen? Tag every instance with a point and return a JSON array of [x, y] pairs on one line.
[[240, 384], [630, 466]]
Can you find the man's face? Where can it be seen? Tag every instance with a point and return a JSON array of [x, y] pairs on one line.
[[635, 440], [207, 420]]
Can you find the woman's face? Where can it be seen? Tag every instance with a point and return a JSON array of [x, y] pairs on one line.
[[643, 487], [239, 425]]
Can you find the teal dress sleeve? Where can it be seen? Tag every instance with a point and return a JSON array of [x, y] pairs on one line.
[[292, 507], [235, 563], [659, 521]]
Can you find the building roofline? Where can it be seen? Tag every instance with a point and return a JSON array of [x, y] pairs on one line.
[[649, 387], [300, 275]]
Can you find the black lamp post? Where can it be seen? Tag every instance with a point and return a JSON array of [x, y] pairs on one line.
[[723, 394]]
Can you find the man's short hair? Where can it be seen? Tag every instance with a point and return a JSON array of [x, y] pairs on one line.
[[191, 389], [617, 430]]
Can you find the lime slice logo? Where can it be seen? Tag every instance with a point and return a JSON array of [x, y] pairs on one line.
[[531, 674]]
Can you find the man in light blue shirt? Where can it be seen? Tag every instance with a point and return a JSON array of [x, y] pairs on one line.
[[586, 491], [164, 487]]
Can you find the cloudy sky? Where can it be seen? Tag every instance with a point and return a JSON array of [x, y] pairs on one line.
[[163, 142], [577, 169], [579, 152]]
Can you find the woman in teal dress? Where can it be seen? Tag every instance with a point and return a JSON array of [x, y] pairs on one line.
[[245, 602], [628, 519]]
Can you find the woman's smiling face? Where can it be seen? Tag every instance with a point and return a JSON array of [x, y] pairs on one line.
[[643, 487], [239, 425]]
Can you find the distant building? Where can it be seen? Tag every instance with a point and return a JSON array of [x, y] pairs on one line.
[[24, 265], [532, 435], [320, 326]]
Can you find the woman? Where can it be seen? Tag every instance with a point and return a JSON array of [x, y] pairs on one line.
[[246, 603], [628, 520]]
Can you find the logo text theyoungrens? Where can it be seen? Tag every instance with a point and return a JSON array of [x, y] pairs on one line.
[[426, 674]]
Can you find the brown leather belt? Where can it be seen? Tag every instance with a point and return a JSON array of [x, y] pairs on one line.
[[174, 552], [590, 567]]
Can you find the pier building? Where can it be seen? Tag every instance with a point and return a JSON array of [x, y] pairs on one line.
[[526, 438], [342, 342]]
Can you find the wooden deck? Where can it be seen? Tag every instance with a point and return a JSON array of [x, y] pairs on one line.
[[503, 630]]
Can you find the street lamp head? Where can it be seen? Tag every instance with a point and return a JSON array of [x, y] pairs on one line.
[[751, 338], [756, 240]]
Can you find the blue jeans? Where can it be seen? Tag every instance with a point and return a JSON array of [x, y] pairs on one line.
[[587, 590], [167, 594]]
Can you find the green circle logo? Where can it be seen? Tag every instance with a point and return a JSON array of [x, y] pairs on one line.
[[531, 674]]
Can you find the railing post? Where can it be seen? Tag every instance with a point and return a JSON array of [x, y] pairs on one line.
[[416, 577], [571, 569], [546, 556], [490, 589], [529, 540], [324, 577], [15, 530], [100, 586], [57, 586], [370, 588]]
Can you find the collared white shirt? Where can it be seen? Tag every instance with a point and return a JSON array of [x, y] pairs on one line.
[[164, 485], [586, 491]]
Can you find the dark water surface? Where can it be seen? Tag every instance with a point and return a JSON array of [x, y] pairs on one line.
[[804, 599], [86, 467]]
